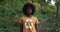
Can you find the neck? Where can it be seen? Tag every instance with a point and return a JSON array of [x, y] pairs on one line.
[[29, 15]]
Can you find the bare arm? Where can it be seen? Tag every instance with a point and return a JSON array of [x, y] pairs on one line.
[[21, 27], [36, 26]]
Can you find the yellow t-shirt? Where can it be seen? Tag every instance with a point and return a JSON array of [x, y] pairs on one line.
[[29, 23]]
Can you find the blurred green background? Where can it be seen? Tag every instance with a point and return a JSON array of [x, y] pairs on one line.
[[11, 11]]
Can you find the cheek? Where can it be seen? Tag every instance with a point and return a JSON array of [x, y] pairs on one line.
[[30, 11]]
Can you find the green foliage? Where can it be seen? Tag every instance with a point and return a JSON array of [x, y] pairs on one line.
[[10, 16]]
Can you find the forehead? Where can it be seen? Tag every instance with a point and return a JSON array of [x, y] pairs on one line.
[[29, 8]]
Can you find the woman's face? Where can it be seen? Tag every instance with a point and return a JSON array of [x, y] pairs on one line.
[[29, 11]]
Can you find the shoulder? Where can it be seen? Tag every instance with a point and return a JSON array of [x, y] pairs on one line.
[[22, 17], [36, 20], [35, 17]]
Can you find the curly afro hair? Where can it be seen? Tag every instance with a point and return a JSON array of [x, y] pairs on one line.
[[26, 6]]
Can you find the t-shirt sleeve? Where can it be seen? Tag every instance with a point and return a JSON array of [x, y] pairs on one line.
[[37, 22], [21, 21]]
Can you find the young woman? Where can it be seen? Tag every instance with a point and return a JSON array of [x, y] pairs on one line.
[[28, 22]]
